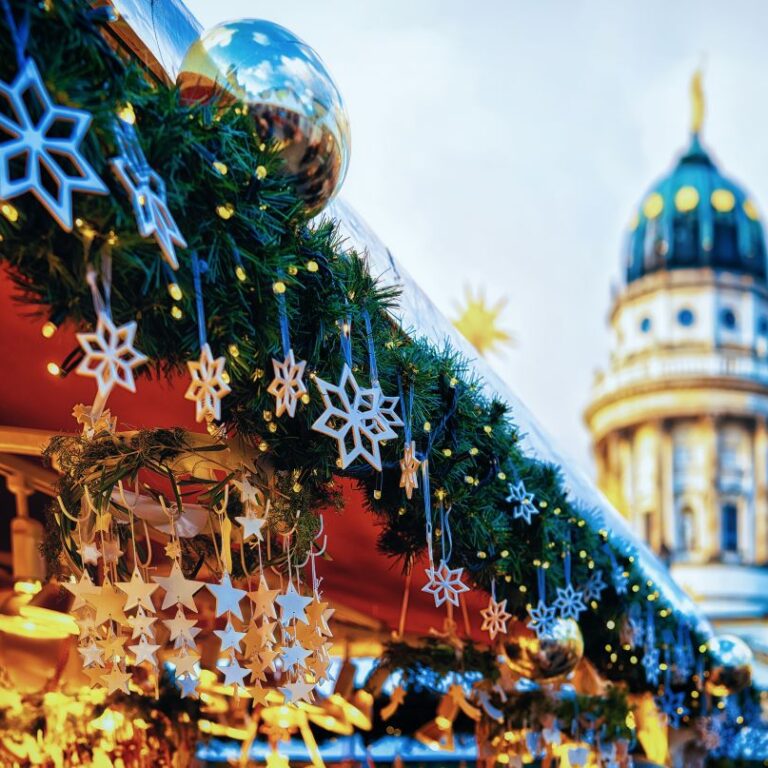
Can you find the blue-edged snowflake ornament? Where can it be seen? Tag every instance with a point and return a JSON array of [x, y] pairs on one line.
[[522, 501]]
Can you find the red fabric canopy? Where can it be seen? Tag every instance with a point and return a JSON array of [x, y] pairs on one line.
[[358, 575]]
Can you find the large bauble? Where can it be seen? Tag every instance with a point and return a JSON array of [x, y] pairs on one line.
[[289, 94], [555, 654], [730, 667]]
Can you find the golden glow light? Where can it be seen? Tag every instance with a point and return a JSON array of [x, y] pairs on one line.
[[48, 329], [723, 200], [174, 291], [478, 323], [686, 199], [53, 369], [653, 205]]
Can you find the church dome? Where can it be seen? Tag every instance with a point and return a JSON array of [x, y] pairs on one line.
[[696, 217]]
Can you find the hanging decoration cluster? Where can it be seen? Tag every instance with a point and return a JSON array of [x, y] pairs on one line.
[[195, 253]]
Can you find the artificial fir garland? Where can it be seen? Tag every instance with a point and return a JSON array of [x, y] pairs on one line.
[[240, 217]]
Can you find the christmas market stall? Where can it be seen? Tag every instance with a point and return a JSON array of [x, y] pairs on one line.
[[268, 506]]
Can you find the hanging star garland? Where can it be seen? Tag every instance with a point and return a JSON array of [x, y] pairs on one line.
[[292, 605], [444, 584], [208, 385], [227, 597], [48, 144], [288, 386], [110, 356]]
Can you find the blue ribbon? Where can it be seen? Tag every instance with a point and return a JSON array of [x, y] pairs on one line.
[[407, 409], [283, 315], [346, 341], [371, 349], [427, 507], [19, 33], [197, 268], [541, 578]]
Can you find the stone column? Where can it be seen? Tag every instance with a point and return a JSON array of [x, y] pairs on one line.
[[760, 488], [666, 513], [709, 528]]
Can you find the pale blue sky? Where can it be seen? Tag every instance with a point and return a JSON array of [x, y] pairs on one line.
[[506, 144]]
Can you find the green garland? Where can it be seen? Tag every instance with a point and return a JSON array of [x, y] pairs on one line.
[[473, 448]]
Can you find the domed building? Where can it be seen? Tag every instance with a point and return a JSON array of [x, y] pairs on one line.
[[678, 418]]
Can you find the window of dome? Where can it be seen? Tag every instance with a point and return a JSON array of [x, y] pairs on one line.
[[723, 200], [762, 326], [685, 317], [653, 205], [728, 318], [686, 199], [751, 210], [645, 324]]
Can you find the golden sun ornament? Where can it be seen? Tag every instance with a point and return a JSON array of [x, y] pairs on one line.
[[478, 323]]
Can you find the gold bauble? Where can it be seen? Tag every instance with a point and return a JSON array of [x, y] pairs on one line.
[[554, 654], [290, 97], [731, 665]]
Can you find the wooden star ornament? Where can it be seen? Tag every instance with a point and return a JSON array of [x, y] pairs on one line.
[[409, 469], [495, 618], [208, 385], [288, 385]]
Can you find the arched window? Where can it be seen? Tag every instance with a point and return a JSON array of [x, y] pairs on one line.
[[728, 318], [729, 528], [685, 317]]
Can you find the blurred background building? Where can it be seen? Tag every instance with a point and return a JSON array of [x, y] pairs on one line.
[[678, 418]]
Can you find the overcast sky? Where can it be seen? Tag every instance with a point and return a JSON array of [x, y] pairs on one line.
[[505, 145]]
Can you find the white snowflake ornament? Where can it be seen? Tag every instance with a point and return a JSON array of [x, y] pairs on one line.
[[358, 419], [542, 618], [208, 385], [444, 584], [523, 501], [288, 385], [110, 357], [146, 190], [570, 602], [40, 144]]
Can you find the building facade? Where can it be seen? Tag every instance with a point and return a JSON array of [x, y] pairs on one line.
[[679, 418]]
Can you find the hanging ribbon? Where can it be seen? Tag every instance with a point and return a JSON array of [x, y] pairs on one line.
[[427, 510], [198, 267], [541, 584], [282, 311], [445, 528], [346, 341], [19, 33], [371, 350], [407, 406]]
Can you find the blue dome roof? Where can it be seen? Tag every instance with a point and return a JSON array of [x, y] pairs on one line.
[[696, 217]]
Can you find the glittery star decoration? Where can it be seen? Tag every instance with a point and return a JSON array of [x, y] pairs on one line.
[[251, 526], [109, 355], [144, 651], [147, 193], [183, 631], [288, 385], [409, 469], [297, 691], [41, 154], [318, 614], [81, 590], [229, 636], [542, 619], [263, 599], [353, 417], [292, 605], [294, 655], [91, 654], [593, 589], [523, 501], [109, 604], [187, 685], [185, 663], [651, 660], [444, 584], [178, 589], [138, 592], [672, 704], [495, 618], [208, 386], [227, 597], [141, 624], [89, 553], [116, 680], [234, 674], [570, 602]]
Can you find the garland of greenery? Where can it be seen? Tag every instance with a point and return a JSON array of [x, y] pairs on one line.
[[251, 223]]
